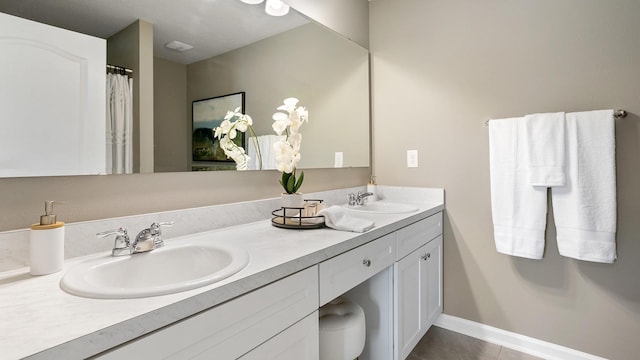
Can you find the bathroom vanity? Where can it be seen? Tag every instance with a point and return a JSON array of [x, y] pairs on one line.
[[268, 310]]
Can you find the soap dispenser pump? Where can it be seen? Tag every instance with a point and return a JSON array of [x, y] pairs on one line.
[[46, 243]]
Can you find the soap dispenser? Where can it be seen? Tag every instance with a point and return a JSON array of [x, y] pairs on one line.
[[46, 243], [372, 188]]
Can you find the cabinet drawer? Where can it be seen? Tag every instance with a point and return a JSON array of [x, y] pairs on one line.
[[345, 271], [417, 234], [230, 330]]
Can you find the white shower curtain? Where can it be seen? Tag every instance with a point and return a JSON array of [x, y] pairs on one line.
[[119, 124]]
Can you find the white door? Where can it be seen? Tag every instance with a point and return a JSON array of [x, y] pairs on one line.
[[52, 100]]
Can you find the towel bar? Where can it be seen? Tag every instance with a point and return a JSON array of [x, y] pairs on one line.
[[618, 114]]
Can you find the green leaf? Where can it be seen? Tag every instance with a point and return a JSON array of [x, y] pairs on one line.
[[299, 182], [291, 183], [284, 181]]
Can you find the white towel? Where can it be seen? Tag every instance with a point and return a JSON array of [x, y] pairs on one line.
[[519, 209], [335, 218], [585, 209], [265, 142], [544, 144]]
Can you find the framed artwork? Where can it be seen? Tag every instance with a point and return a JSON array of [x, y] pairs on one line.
[[208, 114]]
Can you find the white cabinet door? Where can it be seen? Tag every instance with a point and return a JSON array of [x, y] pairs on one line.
[[52, 100], [410, 302], [434, 280], [299, 342], [417, 295]]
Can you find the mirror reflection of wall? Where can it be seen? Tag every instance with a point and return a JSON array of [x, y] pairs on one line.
[[302, 62], [289, 64]]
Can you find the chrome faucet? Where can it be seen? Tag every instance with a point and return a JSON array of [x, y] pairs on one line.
[[358, 199], [146, 240]]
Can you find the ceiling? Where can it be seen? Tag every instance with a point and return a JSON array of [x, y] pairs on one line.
[[213, 27]]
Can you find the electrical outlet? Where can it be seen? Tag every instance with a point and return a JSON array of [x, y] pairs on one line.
[[412, 158]]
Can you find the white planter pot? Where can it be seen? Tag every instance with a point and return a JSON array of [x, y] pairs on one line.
[[292, 200]]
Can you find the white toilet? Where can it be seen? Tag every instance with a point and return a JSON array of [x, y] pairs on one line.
[[342, 330]]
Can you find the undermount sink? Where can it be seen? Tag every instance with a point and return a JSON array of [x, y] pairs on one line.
[[383, 207], [178, 266]]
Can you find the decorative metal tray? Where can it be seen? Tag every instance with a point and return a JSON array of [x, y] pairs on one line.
[[297, 218]]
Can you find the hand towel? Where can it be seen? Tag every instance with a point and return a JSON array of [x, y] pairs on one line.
[[544, 148], [585, 209], [335, 218], [519, 209], [265, 142]]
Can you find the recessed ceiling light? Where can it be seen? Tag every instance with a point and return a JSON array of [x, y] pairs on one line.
[[252, 2], [178, 46], [276, 8]]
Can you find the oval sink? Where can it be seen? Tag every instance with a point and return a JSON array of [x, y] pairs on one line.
[[383, 207], [178, 266]]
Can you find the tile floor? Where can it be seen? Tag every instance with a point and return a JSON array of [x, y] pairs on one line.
[[441, 344]]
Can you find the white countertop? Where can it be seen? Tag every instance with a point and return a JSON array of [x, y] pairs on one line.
[[40, 321]]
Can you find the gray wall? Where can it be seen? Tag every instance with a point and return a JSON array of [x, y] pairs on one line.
[[327, 73], [442, 67], [172, 128]]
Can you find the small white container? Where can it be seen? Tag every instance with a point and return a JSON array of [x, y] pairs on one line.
[[46, 243]]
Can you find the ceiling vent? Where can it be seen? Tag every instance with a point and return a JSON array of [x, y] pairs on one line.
[[178, 46]]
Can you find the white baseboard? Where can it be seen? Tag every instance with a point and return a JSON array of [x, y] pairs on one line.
[[522, 343]]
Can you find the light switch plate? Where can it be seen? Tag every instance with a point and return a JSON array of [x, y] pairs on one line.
[[412, 158]]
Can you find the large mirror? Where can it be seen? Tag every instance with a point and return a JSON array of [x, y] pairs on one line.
[[238, 48]]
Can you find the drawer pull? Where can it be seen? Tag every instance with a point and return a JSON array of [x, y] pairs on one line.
[[426, 256], [366, 262]]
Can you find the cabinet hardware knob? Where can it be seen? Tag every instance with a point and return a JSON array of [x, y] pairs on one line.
[[366, 262], [426, 256]]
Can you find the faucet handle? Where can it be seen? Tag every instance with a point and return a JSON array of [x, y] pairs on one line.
[[121, 245], [119, 232], [155, 230], [156, 226]]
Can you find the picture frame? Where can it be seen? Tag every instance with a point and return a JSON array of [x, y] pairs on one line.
[[207, 114]]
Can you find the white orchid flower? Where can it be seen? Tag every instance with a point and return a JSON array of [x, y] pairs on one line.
[[217, 132], [226, 126], [295, 140], [247, 119], [303, 114], [281, 122], [228, 130], [291, 102], [289, 120], [285, 156]]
